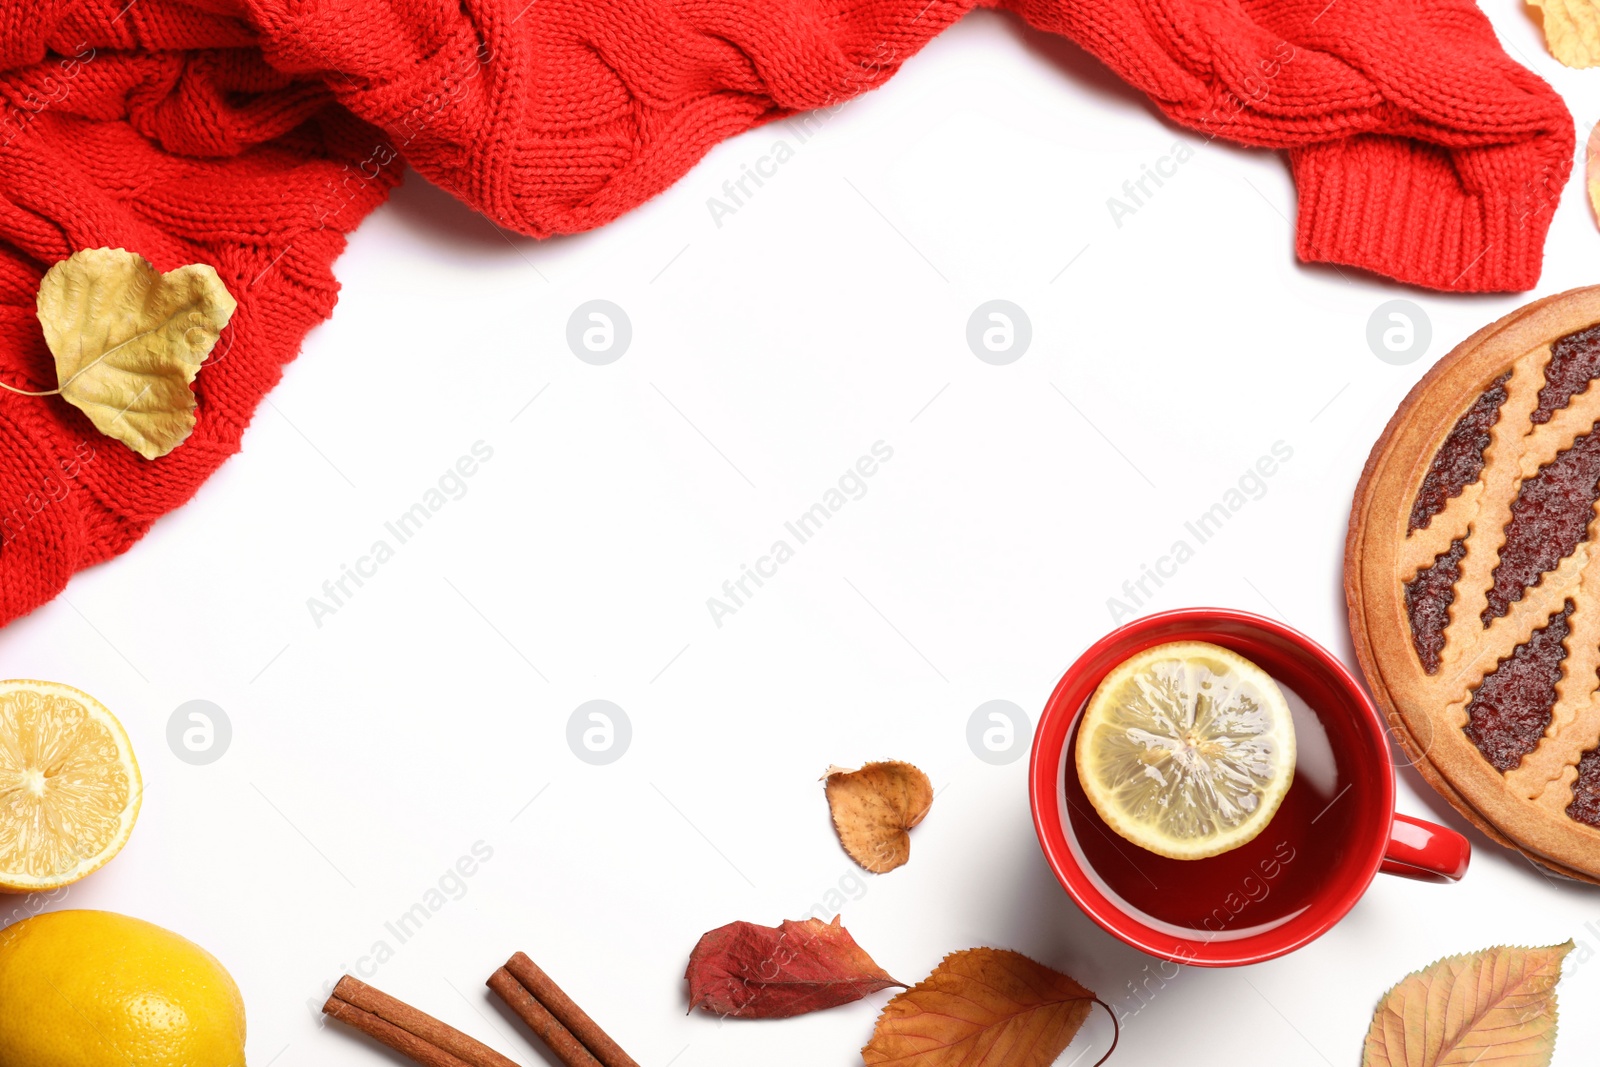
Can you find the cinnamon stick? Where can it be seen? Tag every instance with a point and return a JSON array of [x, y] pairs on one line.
[[556, 1003], [568, 1049], [412, 1033]]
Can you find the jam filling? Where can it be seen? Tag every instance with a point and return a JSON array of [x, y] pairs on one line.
[[1510, 710], [1574, 363], [1428, 599], [1459, 460], [1548, 520], [1585, 806]]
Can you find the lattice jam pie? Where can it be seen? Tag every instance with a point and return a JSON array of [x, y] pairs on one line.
[[1472, 572]]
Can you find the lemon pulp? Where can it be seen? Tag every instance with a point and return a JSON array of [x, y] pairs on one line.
[[1187, 749], [69, 785]]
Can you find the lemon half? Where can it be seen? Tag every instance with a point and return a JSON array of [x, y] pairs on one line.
[[1187, 749], [69, 785]]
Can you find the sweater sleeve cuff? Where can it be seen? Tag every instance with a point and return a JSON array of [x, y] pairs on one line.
[[1461, 220]]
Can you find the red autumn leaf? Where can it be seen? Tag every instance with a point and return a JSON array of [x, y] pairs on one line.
[[765, 972]]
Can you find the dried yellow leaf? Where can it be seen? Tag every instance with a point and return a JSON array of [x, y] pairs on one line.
[[128, 340], [1571, 30], [1496, 1006]]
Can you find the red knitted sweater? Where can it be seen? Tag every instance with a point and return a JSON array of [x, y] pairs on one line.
[[253, 134]]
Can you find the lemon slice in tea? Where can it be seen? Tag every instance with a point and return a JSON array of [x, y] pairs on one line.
[[69, 785], [1187, 749]]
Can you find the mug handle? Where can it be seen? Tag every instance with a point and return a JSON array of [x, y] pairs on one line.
[[1425, 851]]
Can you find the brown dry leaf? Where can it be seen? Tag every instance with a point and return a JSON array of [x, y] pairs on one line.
[[875, 808], [983, 1005], [128, 340], [1571, 30], [1498, 1006]]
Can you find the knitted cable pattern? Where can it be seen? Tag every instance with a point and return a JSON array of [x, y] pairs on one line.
[[254, 134]]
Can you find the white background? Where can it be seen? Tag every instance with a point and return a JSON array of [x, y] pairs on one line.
[[826, 314]]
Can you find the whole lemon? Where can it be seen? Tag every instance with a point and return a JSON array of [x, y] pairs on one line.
[[93, 989]]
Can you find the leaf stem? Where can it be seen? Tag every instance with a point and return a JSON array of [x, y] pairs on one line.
[[29, 392], [1116, 1032]]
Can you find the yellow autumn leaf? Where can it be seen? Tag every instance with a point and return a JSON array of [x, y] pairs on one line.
[[1571, 30], [128, 341], [1496, 1006]]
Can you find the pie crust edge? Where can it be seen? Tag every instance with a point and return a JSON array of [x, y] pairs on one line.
[[1379, 626]]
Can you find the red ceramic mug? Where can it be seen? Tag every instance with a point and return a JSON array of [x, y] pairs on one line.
[[1336, 829]]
